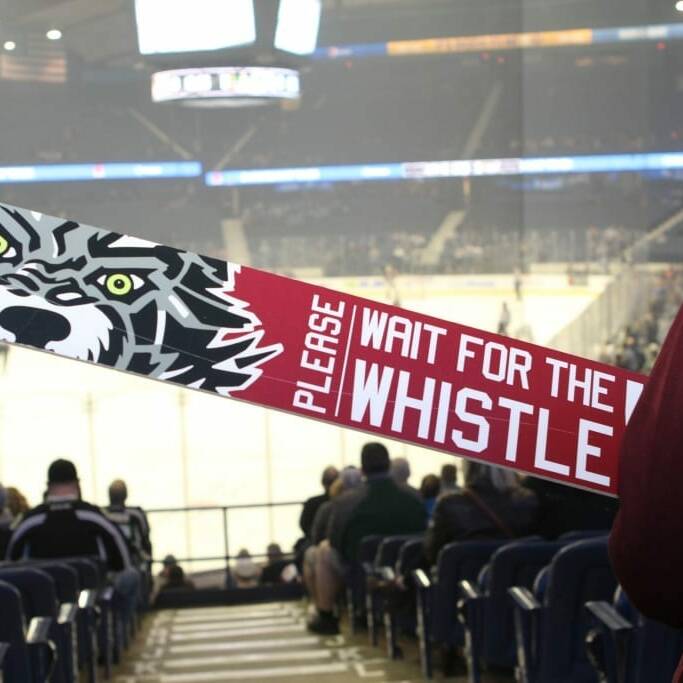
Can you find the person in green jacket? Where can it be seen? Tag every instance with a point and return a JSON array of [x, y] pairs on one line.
[[379, 506]]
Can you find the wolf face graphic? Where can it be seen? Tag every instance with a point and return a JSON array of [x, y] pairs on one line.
[[126, 303]]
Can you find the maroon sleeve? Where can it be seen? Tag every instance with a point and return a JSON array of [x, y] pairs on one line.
[[646, 543]]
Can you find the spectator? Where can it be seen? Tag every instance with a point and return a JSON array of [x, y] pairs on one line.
[[492, 505], [562, 508], [66, 526], [278, 569], [132, 521], [632, 356], [5, 521], [161, 578], [380, 506], [349, 479], [429, 490], [176, 580], [246, 572], [17, 504], [400, 472], [312, 504], [449, 479]]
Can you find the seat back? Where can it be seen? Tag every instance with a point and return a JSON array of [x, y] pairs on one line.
[[17, 665], [388, 550], [515, 564], [654, 650], [410, 556], [38, 590], [367, 549], [355, 579], [580, 535], [578, 573], [5, 536], [458, 561], [89, 574], [65, 578]]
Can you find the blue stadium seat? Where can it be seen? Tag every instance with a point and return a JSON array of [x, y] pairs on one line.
[[68, 593], [399, 594], [485, 606], [581, 535], [91, 583], [39, 598], [437, 596], [626, 647], [375, 575], [355, 579], [551, 622], [4, 649], [30, 656]]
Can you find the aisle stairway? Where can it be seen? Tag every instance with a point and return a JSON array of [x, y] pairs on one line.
[[253, 643]]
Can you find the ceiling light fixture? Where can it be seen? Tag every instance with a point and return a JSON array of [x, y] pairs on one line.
[[9, 45], [53, 34], [679, 5]]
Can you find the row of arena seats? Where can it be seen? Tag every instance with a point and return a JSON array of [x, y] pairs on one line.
[[549, 610], [59, 620]]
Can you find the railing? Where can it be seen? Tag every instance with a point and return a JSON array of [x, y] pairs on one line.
[[224, 510], [624, 298]]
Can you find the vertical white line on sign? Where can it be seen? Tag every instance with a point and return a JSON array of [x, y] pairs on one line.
[[346, 360]]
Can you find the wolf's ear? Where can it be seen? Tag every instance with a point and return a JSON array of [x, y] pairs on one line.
[[215, 312], [204, 274]]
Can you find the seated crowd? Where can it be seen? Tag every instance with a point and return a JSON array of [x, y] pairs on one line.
[[635, 346], [377, 500], [64, 525]]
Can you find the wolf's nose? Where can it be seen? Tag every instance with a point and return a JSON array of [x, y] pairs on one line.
[[34, 326]]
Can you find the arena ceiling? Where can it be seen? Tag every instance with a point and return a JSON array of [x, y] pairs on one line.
[[102, 31]]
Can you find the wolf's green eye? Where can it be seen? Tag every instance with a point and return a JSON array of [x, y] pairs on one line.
[[119, 284], [4, 245]]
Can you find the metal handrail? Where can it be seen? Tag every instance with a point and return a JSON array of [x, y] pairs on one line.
[[246, 506], [225, 510]]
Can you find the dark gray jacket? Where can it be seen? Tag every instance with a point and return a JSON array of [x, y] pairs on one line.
[[457, 517]]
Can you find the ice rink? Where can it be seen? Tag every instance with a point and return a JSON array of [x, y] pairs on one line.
[[182, 448]]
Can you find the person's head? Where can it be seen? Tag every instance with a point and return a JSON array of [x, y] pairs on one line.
[[330, 473], [274, 552], [62, 479], [429, 488], [478, 475], [118, 492], [400, 470], [167, 564], [16, 502], [3, 498], [246, 572], [374, 459], [449, 476], [351, 477]]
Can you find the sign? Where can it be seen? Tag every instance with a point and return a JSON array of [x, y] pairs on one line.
[[130, 304]]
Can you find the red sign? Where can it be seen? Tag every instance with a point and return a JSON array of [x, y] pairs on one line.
[[141, 307], [440, 385]]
